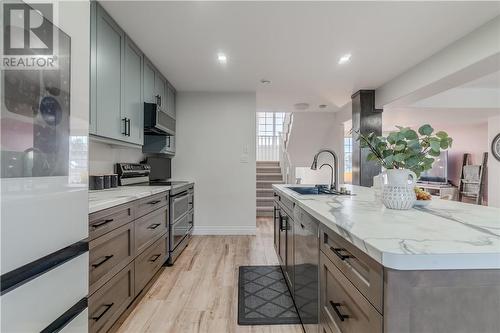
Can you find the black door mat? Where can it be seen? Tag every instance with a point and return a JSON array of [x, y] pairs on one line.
[[263, 297]]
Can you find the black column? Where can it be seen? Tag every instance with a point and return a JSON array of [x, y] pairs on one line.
[[365, 119]]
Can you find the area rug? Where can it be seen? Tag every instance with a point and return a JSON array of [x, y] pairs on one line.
[[264, 298]]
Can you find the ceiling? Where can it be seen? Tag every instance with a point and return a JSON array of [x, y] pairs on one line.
[[296, 45]]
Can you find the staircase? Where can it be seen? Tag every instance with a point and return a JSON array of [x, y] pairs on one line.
[[268, 173]]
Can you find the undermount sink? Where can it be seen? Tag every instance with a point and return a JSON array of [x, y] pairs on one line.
[[316, 190]]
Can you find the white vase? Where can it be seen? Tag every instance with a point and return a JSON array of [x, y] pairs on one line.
[[398, 193]]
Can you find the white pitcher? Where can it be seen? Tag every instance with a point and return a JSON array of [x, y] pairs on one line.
[[398, 193]]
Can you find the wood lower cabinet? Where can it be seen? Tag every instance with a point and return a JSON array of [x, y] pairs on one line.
[[128, 247], [109, 254], [108, 303], [148, 263], [342, 306]]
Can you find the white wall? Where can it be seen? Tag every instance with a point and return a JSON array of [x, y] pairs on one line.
[[215, 147], [312, 131], [493, 165], [103, 157]]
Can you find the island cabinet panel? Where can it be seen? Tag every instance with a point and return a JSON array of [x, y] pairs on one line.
[[342, 307], [442, 301], [364, 273], [109, 254], [108, 303]]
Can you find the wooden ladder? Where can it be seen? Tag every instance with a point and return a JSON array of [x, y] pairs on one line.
[[478, 194]]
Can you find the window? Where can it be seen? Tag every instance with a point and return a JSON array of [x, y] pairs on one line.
[[270, 123], [348, 160]]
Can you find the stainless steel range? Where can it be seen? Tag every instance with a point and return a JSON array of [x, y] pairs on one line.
[[181, 209]]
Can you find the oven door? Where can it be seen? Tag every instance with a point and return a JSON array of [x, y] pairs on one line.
[[180, 229], [180, 206]]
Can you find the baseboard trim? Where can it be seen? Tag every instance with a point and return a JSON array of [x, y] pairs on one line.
[[224, 230]]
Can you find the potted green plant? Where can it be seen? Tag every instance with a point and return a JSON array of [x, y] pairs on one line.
[[404, 153]]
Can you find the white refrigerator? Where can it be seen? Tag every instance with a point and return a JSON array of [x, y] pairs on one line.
[[44, 200]]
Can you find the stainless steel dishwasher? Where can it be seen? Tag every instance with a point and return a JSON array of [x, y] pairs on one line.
[[306, 287]]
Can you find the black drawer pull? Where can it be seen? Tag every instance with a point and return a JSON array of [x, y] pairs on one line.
[[154, 202], [335, 306], [154, 226], [100, 224], [107, 306], [155, 257], [302, 226], [106, 258], [338, 253]]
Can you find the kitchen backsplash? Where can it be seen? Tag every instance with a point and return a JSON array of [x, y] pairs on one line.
[[102, 157]]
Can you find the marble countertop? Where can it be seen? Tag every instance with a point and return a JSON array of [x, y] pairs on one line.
[[444, 235], [103, 199]]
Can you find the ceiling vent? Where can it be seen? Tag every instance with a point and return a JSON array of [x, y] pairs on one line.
[[301, 106]]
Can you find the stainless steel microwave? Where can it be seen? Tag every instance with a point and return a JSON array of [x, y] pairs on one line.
[[156, 121]]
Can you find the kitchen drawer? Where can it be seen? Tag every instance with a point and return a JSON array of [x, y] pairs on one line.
[[149, 228], [342, 307], [151, 203], [148, 263], [104, 221], [363, 272], [190, 199], [109, 254], [109, 302]]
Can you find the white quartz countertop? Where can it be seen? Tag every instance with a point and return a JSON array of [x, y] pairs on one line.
[[444, 235], [103, 199]]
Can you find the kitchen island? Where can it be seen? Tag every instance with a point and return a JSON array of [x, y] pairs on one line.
[[433, 269]]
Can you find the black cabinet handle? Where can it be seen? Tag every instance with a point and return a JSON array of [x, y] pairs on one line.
[[338, 252], [154, 226], [107, 307], [335, 306], [100, 224], [302, 226], [128, 126], [155, 257], [124, 126], [154, 202], [106, 258]]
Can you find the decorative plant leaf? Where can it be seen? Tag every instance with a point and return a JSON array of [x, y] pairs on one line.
[[442, 135], [435, 146], [405, 148], [425, 130]]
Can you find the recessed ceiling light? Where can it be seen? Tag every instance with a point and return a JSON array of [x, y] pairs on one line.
[[345, 59], [265, 81], [221, 58], [322, 106]]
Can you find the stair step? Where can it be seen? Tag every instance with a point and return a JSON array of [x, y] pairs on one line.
[[267, 183], [269, 176], [268, 163], [265, 211], [265, 193], [265, 201], [269, 169]]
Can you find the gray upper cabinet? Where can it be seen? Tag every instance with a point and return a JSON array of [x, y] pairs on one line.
[[109, 66], [133, 106], [160, 89], [122, 79], [149, 82], [170, 105]]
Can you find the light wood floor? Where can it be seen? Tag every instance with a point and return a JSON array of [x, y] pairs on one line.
[[199, 293]]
